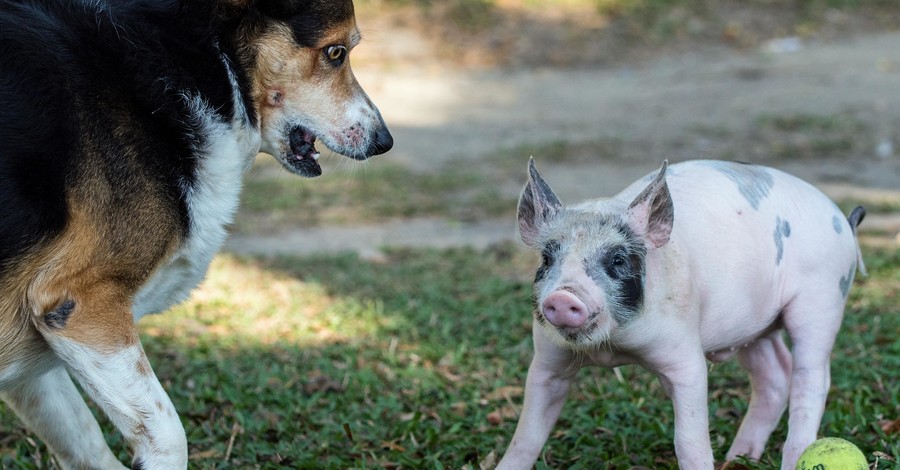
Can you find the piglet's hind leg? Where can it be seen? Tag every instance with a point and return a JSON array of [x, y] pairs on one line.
[[812, 322], [768, 361]]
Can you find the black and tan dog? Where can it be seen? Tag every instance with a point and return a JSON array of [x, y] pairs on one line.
[[125, 130]]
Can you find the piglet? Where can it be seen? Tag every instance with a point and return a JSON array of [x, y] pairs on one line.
[[701, 260]]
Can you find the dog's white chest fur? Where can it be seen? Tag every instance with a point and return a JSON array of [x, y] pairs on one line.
[[212, 202]]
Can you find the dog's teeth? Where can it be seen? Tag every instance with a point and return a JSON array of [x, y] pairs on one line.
[[315, 155]]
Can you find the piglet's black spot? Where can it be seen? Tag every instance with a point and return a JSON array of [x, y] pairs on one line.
[[137, 465], [548, 258], [620, 271], [847, 281], [633, 292], [754, 182], [838, 224], [782, 231], [59, 316]]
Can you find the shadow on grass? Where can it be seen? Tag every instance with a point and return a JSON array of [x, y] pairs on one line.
[[417, 361]]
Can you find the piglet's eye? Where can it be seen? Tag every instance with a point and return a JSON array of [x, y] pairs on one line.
[[336, 54]]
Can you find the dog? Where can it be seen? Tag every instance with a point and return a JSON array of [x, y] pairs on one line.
[[125, 129]]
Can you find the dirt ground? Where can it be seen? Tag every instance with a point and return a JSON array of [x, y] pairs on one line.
[[677, 105]]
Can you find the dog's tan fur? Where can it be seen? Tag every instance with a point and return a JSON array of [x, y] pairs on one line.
[[286, 73], [95, 262], [297, 74], [20, 343], [135, 225]]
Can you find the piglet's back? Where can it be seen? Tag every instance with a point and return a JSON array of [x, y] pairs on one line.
[[753, 238]]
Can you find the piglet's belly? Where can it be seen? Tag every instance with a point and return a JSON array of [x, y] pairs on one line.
[[722, 344], [721, 355]]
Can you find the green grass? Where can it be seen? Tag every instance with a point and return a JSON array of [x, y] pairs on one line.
[[384, 191], [882, 205], [659, 18], [813, 136], [274, 199], [619, 7], [417, 361]]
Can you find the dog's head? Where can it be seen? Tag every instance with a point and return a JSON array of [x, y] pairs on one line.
[[303, 86]]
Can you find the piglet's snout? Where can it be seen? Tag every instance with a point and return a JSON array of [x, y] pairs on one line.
[[563, 309]]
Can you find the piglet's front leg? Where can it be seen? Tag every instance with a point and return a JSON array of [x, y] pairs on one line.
[[549, 377], [686, 383]]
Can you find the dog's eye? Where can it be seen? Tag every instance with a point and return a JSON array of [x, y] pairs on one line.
[[336, 54]]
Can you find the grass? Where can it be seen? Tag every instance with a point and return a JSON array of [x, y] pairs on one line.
[[620, 7], [885, 205], [814, 136], [274, 199], [647, 19], [417, 361], [604, 33], [384, 191]]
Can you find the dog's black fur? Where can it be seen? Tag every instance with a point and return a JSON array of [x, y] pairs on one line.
[[120, 122], [74, 71]]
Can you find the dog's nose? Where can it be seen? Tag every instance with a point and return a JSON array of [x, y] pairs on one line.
[[382, 141]]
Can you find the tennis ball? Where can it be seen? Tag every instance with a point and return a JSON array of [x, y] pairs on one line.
[[832, 453]]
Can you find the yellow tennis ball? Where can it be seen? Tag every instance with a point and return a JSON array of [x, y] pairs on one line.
[[832, 453]]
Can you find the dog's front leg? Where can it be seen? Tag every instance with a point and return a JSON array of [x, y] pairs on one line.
[[94, 334], [52, 408]]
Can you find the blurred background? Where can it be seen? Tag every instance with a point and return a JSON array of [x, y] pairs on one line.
[[599, 92], [379, 316]]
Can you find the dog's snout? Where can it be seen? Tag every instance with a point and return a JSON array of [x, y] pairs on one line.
[[381, 142]]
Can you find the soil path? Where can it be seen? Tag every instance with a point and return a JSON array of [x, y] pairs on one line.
[[439, 114]]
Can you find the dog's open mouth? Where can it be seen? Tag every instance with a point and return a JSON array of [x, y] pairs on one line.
[[303, 155]]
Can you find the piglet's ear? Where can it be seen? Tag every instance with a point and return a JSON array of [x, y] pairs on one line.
[[537, 205], [651, 215]]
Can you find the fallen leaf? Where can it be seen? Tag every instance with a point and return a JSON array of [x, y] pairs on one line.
[[393, 445], [322, 383], [449, 376], [205, 454], [489, 461], [506, 393], [890, 427]]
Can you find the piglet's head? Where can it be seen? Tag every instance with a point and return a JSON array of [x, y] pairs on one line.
[[593, 257]]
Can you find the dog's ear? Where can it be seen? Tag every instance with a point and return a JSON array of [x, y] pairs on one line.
[[279, 8], [231, 9], [333, 9]]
